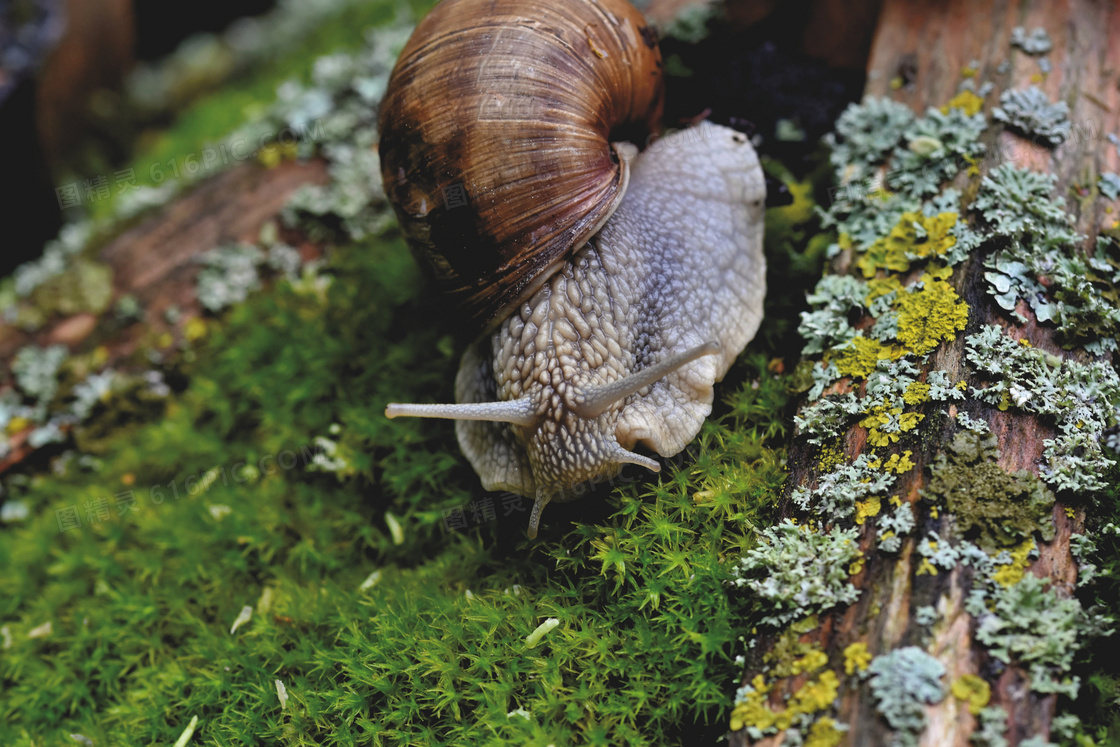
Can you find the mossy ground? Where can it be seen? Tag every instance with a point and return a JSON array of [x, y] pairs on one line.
[[384, 624], [161, 154], [141, 605]]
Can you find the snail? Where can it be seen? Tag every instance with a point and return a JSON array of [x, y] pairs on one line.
[[613, 288]]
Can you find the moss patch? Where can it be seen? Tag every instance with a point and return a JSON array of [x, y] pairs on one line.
[[996, 507]]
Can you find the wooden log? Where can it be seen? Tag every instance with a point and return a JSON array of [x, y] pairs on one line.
[[920, 51], [154, 262]]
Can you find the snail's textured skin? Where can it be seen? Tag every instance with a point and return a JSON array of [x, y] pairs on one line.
[[680, 263]]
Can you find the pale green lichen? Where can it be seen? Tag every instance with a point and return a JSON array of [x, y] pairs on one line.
[[867, 133], [894, 526], [838, 491], [1030, 113], [991, 727], [1031, 625], [805, 571], [36, 372], [883, 407], [341, 102], [1037, 42], [1109, 185], [937, 554], [1083, 399], [975, 425], [1042, 264], [834, 299], [228, 275], [903, 682], [919, 154], [936, 146], [1084, 548]]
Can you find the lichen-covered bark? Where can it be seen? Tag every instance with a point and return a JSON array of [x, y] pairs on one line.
[[922, 53]]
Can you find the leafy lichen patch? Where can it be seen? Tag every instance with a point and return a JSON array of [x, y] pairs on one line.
[[1030, 624], [805, 571], [1082, 398], [903, 682], [1030, 113], [1035, 43], [1043, 263]]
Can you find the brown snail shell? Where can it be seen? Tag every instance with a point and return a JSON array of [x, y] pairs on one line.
[[496, 134]]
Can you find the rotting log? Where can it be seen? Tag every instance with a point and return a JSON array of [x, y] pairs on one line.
[[154, 261], [920, 53]]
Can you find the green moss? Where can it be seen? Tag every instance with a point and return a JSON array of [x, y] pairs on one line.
[[241, 100], [995, 507], [638, 586]]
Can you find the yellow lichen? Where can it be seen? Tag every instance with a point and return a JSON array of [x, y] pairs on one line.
[[753, 711], [856, 658], [861, 355], [815, 695], [936, 271], [908, 421], [879, 416], [824, 733], [831, 457], [893, 251], [868, 508], [974, 689], [811, 661], [916, 393], [930, 316], [856, 566], [973, 165], [926, 568], [882, 287], [967, 101], [900, 463], [195, 329], [1012, 573]]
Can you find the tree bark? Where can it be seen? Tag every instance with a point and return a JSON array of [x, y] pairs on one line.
[[154, 262], [917, 58]]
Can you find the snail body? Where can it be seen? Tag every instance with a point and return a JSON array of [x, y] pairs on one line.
[[618, 344]]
